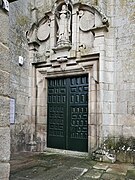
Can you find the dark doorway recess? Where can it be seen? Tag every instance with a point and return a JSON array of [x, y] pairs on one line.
[[68, 113]]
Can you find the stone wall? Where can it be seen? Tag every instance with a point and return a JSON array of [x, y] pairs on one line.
[[115, 111], [125, 67], [114, 92], [4, 96], [117, 78], [19, 80]]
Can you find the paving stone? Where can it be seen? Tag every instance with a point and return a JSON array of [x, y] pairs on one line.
[[51, 166], [120, 169], [102, 166], [108, 176], [95, 174], [131, 174]]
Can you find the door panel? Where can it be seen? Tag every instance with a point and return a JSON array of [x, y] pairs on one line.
[[56, 113], [78, 114], [68, 113]]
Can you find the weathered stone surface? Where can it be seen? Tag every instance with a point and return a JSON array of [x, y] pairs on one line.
[[5, 144], [4, 111], [5, 27], [4, 96], [19, 75], [4, 171], [111, 105], [93, 174], [4, 83], [101, 166]]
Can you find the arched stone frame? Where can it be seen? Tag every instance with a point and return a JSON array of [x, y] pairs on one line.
[[84, 66]]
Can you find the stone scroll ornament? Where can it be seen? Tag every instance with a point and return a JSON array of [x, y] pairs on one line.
[[63, 20]]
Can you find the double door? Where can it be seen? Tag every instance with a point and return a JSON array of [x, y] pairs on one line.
[[67, 122]]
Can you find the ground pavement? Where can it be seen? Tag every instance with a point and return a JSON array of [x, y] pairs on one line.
[[53, 166]]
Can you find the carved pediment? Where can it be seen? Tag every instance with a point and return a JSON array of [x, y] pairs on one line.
[[68, 30]]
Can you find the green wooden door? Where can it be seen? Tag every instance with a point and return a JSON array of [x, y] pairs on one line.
[[68, 113]]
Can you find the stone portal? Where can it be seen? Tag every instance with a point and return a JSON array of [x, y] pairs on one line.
[[65, 75]]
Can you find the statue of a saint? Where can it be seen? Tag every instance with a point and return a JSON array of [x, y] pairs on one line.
[[63, 18]]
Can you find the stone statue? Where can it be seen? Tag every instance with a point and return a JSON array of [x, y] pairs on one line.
[[63, 19]]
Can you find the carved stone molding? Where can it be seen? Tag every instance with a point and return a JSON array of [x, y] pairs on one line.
[[62, 59], [62, 48]]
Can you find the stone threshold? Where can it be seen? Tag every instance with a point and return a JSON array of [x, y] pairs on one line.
[[66, 152]]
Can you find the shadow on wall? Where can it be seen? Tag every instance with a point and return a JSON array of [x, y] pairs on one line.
[[20, 137]]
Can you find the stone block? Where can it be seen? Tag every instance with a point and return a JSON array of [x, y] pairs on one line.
[[106, 108], [4, 83], [4, 61], [4, 111], [121, 107], [4, 23], [128, 131], [127, 120], [93, 119], [93, 142], [101, 166], [93, 174], [109, 77], [118, 131], [41, 111], [4, 143], [93, 130], [111, 87], [41, 119], [101, 76], [131, 108], [109, 66], [108, 130], [108, 96], [108, 119], [4, 171], [22, 99]]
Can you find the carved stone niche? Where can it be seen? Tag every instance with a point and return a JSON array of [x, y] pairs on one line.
[[63, 26]]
